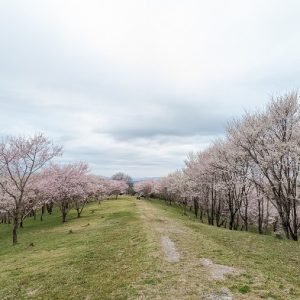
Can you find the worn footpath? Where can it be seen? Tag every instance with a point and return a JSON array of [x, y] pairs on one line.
[[184, 273]]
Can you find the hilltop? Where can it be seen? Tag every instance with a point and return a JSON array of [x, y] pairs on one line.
[[131, 249]]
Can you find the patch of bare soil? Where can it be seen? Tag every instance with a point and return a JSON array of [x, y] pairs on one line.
[[169, 249], [224, 294], [217, 271]]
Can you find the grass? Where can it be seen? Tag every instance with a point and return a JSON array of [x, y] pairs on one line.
[[271, 265], [114, 252], [102, 260]]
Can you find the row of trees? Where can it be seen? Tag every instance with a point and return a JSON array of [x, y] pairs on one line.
[[249, 177], [29, 181]]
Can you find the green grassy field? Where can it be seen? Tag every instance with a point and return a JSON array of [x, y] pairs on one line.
[[101, 260], [114, 252]]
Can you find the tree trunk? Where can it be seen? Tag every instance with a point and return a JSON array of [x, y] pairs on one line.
[[231, 222], [43, 211], [295, 223], [246, 217], [64, 211], [15, 228], [285, 228], [49, 207], [267, 218], [64, 216], [212, 205], [236, 223], [260, 217], [196, 207], [275, 223], [201, 215]]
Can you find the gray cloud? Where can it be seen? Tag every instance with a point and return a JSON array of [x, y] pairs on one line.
[[135, 86]]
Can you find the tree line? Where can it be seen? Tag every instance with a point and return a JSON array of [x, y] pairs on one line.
[[29, 180], [248, 178]]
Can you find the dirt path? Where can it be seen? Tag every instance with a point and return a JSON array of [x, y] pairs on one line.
[[184, 274]]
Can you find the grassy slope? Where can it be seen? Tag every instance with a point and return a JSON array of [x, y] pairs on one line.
[[99, 261], [112, 258], [271, 265]]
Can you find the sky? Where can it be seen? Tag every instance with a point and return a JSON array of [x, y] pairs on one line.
[[134, 86]]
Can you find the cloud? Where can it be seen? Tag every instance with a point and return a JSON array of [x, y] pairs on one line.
[[136, 85]]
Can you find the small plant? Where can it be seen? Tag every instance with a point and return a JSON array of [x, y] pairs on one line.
[[150, 281], [244, 289]]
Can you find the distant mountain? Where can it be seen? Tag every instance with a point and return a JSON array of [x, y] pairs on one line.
[[137, 179]]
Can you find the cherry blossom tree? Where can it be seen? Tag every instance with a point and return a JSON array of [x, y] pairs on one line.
[[250, 176], [122, 176], [116, 187], [67, 185], [20, 159], [98, 187], [271, 140], [144, 188], [160, 189]]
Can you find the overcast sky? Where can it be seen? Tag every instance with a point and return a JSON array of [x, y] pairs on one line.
[[134, 86]]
